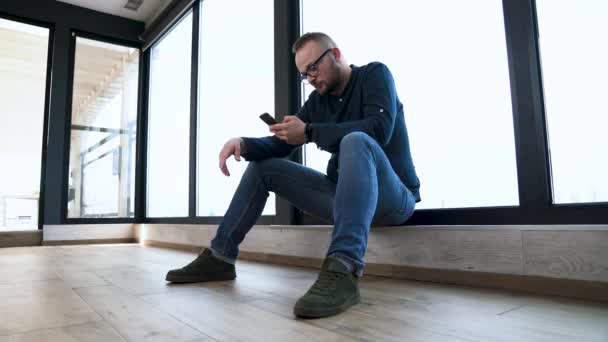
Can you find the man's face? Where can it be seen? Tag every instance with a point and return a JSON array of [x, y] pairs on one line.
[[320, 67]]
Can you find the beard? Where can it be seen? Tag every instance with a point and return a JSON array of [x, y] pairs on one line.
[[332, 82]]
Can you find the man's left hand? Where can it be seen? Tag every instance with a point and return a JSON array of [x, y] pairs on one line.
[[291, 130]]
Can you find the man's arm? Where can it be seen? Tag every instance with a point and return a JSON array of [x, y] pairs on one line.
[[271, 146], [379, 112], [266, 147]]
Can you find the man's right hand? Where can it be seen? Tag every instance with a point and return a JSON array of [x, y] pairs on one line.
[[231, 147]]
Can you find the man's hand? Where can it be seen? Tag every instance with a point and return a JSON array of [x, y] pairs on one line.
[[231, 147], [291, 130]]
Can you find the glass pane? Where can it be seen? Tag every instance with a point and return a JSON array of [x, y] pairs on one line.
[[103, 131], [575, 70], [169, 123], [23, 67], [236, 86], [449, 62]]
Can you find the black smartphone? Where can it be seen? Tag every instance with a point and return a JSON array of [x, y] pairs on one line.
[[269, 120]]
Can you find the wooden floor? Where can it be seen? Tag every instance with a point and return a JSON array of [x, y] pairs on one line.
[[118, 293]]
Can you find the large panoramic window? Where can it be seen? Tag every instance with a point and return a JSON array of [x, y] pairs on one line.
[[23, 72], [449, 62], [169, 123], [103, 130], [236, 86], [575, 82]]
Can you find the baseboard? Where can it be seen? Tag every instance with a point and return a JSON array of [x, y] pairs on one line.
[[571, 288], [20, 238], [88, 242], [179, 246], [563, 252], [85, 232]]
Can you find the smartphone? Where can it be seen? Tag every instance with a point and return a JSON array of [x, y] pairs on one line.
[[269, 120]]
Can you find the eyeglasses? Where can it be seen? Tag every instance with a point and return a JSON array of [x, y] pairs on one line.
[[313, 69]]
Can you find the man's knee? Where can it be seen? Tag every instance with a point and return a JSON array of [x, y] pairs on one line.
[[265, 164], [264, 167], [355, 140]]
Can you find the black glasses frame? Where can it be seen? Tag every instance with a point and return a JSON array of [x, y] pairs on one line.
[[312, 69]]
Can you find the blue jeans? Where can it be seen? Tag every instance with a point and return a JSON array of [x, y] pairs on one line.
[[368, 192]]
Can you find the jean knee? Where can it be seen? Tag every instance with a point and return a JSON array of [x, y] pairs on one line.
[[260, 166], [266, 170], [355, 140]]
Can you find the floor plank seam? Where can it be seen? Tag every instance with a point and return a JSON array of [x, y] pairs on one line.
[[102, 318], [115, 330], [510, 310], [168, 313], [53, 327]]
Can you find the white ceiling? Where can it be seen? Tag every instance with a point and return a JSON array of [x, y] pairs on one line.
[[146, 13]]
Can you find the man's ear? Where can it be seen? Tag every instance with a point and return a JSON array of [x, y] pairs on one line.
[[337, 54]]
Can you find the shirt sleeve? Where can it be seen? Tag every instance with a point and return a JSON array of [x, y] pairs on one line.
[[379, 110], [266, 147], [271, 146]]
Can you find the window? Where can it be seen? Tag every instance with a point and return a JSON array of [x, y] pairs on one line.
[[23, 69], [574, 72], [449, 62], [236, 86], [169, 123], [103, 130]]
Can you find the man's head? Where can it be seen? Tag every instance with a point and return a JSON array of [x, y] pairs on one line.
[[319, 61]]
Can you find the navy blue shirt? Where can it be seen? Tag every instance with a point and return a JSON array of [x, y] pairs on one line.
[[368, 104]]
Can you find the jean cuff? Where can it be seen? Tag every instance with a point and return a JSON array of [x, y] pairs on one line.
[[220, 256], [353, 266]]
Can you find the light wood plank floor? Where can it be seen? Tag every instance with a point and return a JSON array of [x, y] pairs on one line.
[[118, 293]]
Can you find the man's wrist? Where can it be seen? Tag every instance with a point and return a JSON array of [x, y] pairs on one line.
[[308, 132], [243, 146]]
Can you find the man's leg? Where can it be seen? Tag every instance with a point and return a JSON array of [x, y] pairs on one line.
[[304, 187], [368, 190], [381, 198]]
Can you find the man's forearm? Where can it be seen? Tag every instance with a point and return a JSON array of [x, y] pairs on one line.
[[266, 147]]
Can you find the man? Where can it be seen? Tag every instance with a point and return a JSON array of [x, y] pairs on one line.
[[355, 114]]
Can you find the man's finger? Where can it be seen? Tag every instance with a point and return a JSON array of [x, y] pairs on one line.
[[223, 164], [288, 118], [277, 127]]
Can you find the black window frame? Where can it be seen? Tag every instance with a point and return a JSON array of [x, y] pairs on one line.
[[64, 18], [74, 34], [532, 155], [525, 74], [529, 123], [143, 174]]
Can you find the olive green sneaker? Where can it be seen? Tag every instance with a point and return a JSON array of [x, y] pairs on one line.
[[335, 290], [204, 268]]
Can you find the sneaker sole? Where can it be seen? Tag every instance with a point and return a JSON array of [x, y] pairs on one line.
[[183, 279], [304, 312]]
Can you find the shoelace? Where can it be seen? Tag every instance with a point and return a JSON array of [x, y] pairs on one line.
[[326, 282]]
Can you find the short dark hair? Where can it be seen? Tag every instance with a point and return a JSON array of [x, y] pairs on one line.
[[318, 37]]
